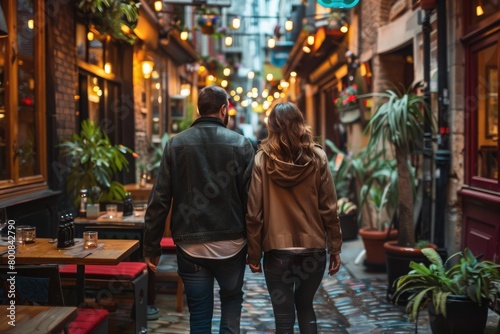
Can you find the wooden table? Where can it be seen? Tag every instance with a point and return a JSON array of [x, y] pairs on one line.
[[37, 319], [139, 193], [42, 252], [129, 227]]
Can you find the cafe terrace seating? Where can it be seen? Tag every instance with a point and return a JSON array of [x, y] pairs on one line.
[[41, 285], [115, 278]]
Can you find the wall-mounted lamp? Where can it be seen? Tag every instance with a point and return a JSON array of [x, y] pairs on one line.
[[158, 5], [288, 24], [90, 36], [185, 89], [345, 28], [184, 35], [147, 68], [479, 9], [306, 49], [107, 68], [3, 24], [228, 41], [310, 39]]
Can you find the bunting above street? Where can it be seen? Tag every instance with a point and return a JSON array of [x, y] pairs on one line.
[[338, 3]]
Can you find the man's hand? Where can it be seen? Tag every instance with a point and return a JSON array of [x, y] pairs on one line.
[[334, 264], [152, 262]]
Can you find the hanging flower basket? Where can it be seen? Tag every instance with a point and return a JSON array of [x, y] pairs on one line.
[[208, 23], [348, 105]]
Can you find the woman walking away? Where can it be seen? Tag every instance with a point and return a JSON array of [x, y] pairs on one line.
[[292, 218]]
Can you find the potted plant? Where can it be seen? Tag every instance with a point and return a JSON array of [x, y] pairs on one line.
[[94, 161], [456, 296], [348, 105], [399, 122], [365, 172], [208, 20], [348, 216], [108, 16]]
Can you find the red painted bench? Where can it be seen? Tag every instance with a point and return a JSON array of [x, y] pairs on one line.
[[116, 278], [89, 321]]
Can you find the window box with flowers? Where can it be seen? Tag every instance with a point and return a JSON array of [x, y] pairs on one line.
[[208, 20], [348, 104]]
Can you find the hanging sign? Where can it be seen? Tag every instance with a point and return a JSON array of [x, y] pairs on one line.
[[338, 3]]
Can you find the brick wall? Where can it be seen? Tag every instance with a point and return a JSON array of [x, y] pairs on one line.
[[66, 78]]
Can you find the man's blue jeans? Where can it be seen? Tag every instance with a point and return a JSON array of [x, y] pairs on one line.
[[198, 277]]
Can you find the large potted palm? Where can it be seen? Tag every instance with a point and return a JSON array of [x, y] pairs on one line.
[[399, 122]]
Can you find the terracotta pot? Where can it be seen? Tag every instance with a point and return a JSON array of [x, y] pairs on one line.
[[398, 264], [373, 241]]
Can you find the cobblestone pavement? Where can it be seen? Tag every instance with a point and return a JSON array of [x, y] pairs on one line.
[[343, 304], [353, 301]]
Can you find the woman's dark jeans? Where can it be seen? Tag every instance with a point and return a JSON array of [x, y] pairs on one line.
[[198, 277], [292, 278]]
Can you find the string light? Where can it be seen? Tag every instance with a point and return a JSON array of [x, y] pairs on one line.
[[236, 23], [271, 43]]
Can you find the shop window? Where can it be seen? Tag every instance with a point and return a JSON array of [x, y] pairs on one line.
[[483, 104], [95, 50], [481, 10], [22, 91]]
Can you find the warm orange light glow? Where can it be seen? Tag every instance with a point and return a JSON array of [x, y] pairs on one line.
[[479, 10]]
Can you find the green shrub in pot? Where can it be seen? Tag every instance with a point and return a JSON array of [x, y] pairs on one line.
[[469, 278]]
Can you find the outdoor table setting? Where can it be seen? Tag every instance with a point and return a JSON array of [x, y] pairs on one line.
[[45, 251], [37, 319]]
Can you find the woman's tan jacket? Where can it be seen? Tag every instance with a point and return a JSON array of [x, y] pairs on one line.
[[292, 205]]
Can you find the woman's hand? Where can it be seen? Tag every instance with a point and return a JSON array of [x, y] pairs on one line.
[[334, 264], [255, 268]]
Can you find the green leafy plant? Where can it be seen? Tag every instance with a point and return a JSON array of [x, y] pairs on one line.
[[345, 206], [108, 16], [477, 280], [94, 161], [399, 121], [373, 175]]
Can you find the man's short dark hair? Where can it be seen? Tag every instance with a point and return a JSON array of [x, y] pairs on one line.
[[210, 99]]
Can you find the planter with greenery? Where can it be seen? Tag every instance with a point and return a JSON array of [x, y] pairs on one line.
[[94, 161], [445, 289], [208, 20], [348, 216], [108, 16], [399, 123], [368, 178]]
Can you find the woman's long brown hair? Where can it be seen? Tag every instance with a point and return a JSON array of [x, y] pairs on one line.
[[289, 138]]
